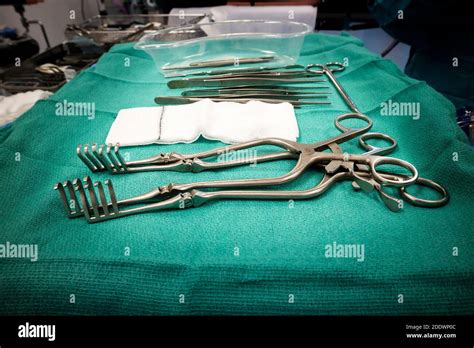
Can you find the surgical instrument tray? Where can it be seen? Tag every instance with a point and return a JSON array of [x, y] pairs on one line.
[[124, 28], [335, 165]]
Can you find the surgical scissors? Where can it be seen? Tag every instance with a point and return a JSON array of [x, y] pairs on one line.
[[335, 164]]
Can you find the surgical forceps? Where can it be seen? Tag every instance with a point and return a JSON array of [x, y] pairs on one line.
[[336, 165], [272, 93], [296, 100], [260, 77], [287, 68], [238, 87], [245, 90], [222, 62], [240, 80]]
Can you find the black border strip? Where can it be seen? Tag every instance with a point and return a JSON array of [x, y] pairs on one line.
[[290, 330]]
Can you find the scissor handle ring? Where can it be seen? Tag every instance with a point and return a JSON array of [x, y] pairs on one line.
[[331, 66], [421, 202], [371, 149], [352, 115], [410, 180]]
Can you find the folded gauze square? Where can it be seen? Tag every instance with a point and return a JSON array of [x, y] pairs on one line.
[[228, 122]]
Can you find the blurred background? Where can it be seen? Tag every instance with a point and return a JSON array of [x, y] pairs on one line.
[[332, 16]]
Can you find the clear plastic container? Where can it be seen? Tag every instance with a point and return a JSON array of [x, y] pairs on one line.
[[225, 45]]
